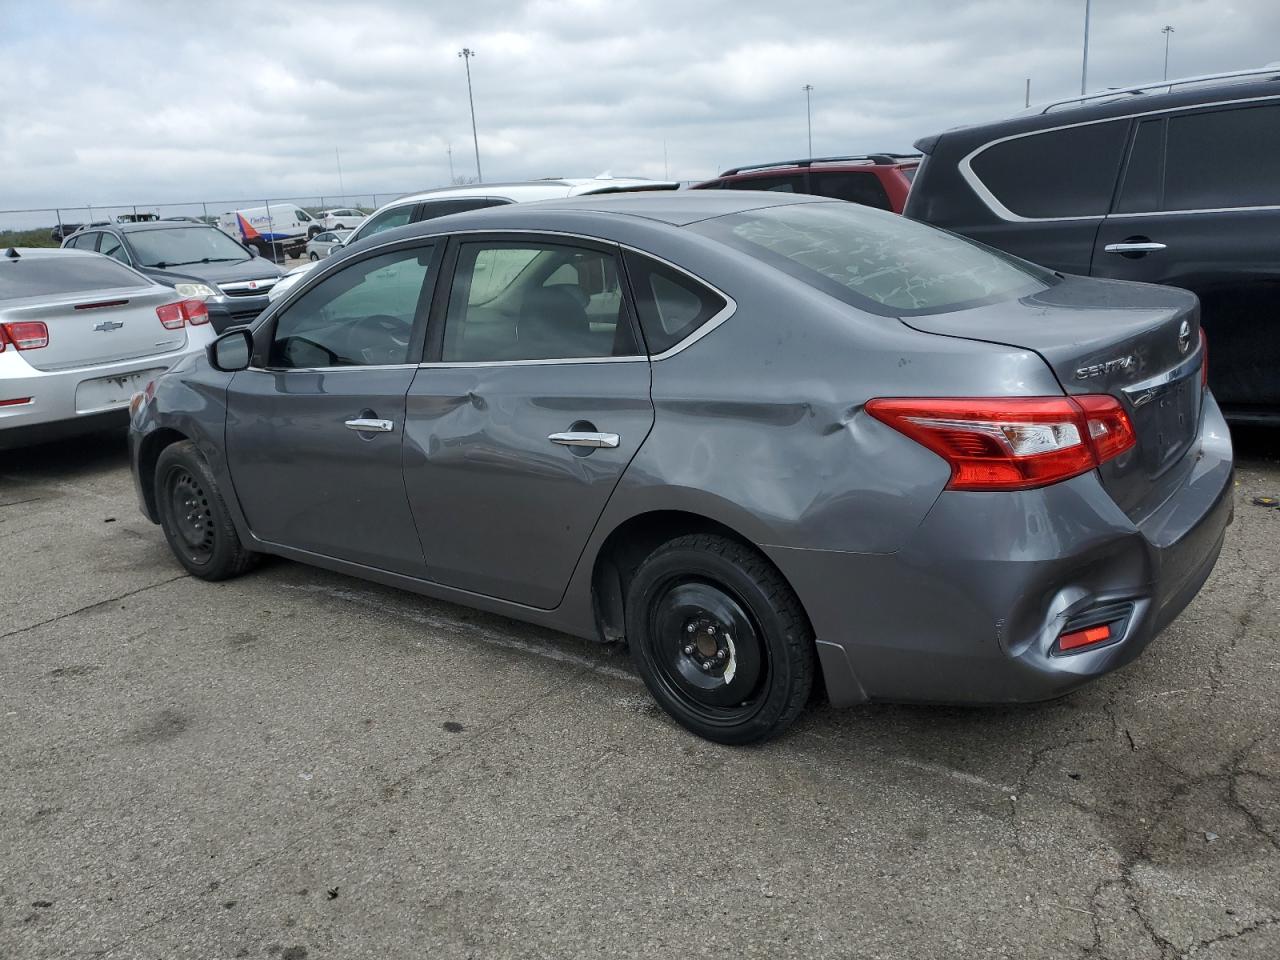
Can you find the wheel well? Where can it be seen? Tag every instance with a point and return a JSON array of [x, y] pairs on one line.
[[624, 550], [152, 445]]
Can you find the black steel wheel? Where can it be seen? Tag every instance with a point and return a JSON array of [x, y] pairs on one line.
[[194, 515], [720, 639]]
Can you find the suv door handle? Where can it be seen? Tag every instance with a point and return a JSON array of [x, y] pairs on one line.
[[1146, 246], [371, 425], [582, 438]]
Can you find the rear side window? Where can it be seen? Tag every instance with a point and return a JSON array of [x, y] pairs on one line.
[[1061, 173], [1140, 192], [671, 305], [791, 184], [1227, 158], [387, 220], [863, 188], [878, 262], [57, 274], [442, 208]]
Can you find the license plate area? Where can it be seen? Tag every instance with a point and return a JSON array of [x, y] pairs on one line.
[[108, 393], [1166, 420]]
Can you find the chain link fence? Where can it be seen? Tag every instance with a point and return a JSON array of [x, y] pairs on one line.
[[47, 226]]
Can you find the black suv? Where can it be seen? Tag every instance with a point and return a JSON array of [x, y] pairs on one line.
[[1177, 183]]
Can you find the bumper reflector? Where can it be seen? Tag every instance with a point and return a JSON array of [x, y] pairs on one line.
[[1084, 638]]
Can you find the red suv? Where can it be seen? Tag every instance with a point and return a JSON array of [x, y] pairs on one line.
[[878, 180]]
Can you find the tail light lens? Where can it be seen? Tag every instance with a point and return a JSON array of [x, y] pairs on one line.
[[1013, 443], [1204, 359], [174, 315], [27, 335]]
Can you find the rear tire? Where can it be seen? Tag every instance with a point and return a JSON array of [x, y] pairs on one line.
[[194, 516], [313, 255], [720, 639]]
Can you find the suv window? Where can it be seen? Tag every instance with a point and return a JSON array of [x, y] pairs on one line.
[[863, 188], [363, 315], [442, 208], [670, 304], [877, 262], [1225, 158], [535, 301], [1143, 176], [386, 220], [1061, 173], [784, 184], [110, 245], [84, 241]]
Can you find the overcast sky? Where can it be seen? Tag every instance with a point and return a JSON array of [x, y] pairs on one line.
[[134, 101]]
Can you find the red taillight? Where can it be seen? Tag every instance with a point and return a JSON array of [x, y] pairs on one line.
[[1012, 443], [26, 335], [174, 315], [1204, 360], [15, 402], [1084, 638]]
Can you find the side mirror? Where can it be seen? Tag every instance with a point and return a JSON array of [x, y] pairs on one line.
[[232, 351]]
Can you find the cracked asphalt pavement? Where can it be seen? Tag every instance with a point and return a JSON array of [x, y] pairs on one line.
[[300, 765]]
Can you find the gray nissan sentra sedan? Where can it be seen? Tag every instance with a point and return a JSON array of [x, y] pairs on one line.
[[767, 441]]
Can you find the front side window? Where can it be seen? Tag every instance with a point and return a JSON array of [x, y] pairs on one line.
[[303, 216], [1225, 158], [325, 237], [1060, 173], [363, 315], [386, 220], [111, 246], [536, 301], [84, 241], [877, 261], [864, 188]]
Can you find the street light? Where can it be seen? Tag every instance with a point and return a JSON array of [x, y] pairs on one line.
[[1166, 30], [466, 53], [1084, 64], [808, 113]]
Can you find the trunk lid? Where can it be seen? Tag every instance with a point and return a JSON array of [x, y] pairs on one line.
[[95, 327], [1137, 342]]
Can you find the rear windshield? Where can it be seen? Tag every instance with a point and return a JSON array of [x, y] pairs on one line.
[[877, 261], [57, 274]]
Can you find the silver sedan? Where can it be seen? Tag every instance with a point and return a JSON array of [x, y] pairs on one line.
[[322, 244], [80, 335]]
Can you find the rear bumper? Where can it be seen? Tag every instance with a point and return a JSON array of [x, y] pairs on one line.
[[969, 611]]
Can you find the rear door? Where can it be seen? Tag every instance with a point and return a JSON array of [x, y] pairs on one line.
[[1199, 207], [534, 400], [315, 427]]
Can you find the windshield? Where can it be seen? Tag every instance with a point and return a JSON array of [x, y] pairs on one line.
[[58, 274], [877, 261], [180, 246]]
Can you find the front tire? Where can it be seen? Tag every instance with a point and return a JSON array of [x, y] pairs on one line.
[[720, 639], [313, 255], [194, 516]]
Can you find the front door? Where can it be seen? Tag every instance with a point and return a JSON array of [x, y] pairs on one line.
[[315, 428], [1199, 207], [535, 402]]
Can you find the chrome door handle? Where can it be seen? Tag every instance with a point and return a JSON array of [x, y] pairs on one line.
[[1147, 247], [370, 425], [579, 438]]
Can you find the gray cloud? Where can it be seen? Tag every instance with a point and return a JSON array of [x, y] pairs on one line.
[[124, 102]]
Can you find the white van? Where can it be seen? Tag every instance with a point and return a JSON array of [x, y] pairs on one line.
[[286, 227]]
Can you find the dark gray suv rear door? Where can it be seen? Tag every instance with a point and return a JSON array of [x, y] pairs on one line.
[[535, 400], [1199, 207]]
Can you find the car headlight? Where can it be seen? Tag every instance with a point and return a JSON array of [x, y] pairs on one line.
[[201, 290]]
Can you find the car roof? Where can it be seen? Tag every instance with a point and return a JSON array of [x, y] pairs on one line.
[[525, 191]]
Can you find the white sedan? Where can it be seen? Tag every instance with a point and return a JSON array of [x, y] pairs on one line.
[[345, 218], [80, 334]]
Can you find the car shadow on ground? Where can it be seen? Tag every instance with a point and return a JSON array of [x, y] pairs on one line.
[[67, 459]]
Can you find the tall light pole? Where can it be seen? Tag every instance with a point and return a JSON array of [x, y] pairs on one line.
[[1166, 30], [1084, 64], [808, 113], [466, 53], [341, 189]]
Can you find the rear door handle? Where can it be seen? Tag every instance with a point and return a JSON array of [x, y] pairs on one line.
[[581, 438], [370, 425], [1148, 246]]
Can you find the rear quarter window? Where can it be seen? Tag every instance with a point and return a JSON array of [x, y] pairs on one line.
[[879, 262], [1059, 173], [671, 305], [54, 275]]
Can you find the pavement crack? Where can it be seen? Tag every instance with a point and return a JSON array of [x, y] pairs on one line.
[[92, 606]]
